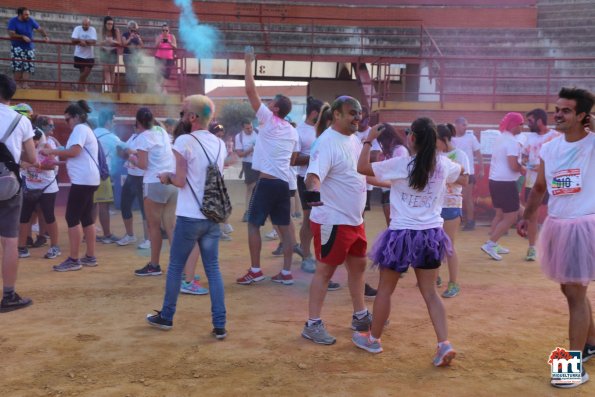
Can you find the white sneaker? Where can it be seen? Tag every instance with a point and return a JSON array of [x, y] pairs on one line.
[[126, 240], [492, 251], [225, 237], [272, 235], [35, 228], [145, 245], [501, 250], [227, 228]]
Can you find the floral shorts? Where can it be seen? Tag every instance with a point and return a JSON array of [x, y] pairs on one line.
[[23, 60]]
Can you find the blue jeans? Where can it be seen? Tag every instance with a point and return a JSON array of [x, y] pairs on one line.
[[186, 233]]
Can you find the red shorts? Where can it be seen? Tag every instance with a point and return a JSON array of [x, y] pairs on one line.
[[333, 243]]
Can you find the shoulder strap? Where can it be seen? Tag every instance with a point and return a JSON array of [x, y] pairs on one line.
[[11, 127], [90, 155], [203, 149]]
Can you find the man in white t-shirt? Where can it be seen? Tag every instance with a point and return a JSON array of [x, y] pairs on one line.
[[540, 134], [275, 152], [85, 37], [337, 193], [469, 144], [244, 147], [20, 139]]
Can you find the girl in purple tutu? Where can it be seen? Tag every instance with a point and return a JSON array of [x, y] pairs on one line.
[[414, 237], [565, 247]]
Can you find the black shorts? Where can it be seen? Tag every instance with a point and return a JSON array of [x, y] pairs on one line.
[[250, 175], [80, 63], [301, 185], [385, 200], [545, 200], [270, 198], [505, 195], [47, 203]]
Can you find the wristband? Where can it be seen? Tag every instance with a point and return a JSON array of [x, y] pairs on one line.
[[311, 196], [368, 142]]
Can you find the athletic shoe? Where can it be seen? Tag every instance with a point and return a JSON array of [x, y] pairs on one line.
[[193, 288], [285, 279], [155, 320], [362, 340], [332, 286], [491, 250], [24, 252], [29, 242], [278, 251], [531, 254], [225, 237], [68, 265], [369, 292], [89, 261], [126, 240], [53, 252], [361, 324], [40, 241], [469, 226], [14, 302], [318, 334], [296, 215], [245, 217], [219, 333], [452, 290], [250, 278], [110, 239], [588, 352], [502, 250], [444, 355], [308, 265], [148, 270], [297, 249], [562, 383], [438, 281], [227, 228], [145, 245], [272, 235], [35, 228]]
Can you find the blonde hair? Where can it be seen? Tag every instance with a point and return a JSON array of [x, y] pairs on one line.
[[202, 106]]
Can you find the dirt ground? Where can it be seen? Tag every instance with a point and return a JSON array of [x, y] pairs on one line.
[[86, 334]]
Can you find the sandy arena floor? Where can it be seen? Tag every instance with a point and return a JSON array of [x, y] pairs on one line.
[[86, 335]]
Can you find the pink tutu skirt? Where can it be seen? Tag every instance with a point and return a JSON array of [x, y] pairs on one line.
[[566, 249]]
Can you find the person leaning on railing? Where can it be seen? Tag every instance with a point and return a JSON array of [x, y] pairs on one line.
[[132, 42], [108, 52]]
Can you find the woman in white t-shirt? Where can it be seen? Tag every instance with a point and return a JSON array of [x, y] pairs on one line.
[[154, 155], [415, 236], [452, 204], [82, 164]]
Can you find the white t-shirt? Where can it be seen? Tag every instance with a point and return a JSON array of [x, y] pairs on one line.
[[530, 153], [22, 132], [307, 134], [80, 34], [469, 144], [363, 136], [160, 157], [197, 164], [409, 208], [570, 176], [83, 169], [342, 189], [453, 197], [36, 178], [277, 141], [132, 144], [505, 145], [245, 141], [398, 151]]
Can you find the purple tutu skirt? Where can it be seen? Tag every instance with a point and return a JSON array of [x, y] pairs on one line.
[[421, 249]]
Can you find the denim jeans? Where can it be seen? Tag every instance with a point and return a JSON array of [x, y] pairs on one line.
[[186, 233]]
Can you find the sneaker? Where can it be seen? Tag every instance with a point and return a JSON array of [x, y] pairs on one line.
[[110, 239], [278, 251], [68, 265], [452, 290], [588, 352], [563, 383], [89, 261], [126, 240], [332, 286], [297, 249], [29, 242], [193, 288], [227, 228], [444, 355], [361, 324], [250, 278], [308, 265], [148, 270], [369, 292], [363, 342], [285, 279], [318, 334], [35, 228], [53, 252], [24, 252], [469, 226], [145, 245], [245, 217], [40, 241], [14, 302], [531, 254], [296, 215], [502, 250], [219, 333], [438, 281], [491, 250], [225, 237], [272, 235], [155, 320]]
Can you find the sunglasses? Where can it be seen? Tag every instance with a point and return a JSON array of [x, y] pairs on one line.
[[408, 131]]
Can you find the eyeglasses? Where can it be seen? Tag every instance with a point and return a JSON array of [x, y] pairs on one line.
[[408, 131], [50, 126], [166, 30]]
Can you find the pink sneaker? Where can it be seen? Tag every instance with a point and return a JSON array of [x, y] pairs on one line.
[[283, 279], [250, 278]]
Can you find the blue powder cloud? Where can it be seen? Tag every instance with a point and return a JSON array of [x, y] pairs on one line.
[[200, 39]]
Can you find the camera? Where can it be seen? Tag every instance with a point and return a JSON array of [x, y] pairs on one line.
[[164, 40]]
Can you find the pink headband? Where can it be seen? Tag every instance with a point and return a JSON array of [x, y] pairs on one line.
[[510, 121]]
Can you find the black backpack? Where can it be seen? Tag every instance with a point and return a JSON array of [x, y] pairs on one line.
[[10, 176]]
